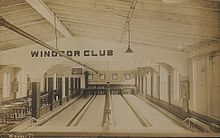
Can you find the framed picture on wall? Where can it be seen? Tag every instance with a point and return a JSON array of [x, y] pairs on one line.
[[77, 71], [102, 76], [127, 76], [185, 89], [90, 76], [114, 76]]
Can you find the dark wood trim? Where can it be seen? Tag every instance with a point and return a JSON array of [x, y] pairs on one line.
[[111, 85], [180, 113]]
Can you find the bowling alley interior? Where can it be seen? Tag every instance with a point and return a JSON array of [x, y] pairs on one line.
[[109, 68]]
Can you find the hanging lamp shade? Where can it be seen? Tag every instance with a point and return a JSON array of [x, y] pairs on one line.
[[129, 50], [129, 40]]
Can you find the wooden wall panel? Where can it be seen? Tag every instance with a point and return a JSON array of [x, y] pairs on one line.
[[164, 84], [200, 90], [216, 86]]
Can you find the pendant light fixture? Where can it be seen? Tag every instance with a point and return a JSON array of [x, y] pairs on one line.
[[129, 40]]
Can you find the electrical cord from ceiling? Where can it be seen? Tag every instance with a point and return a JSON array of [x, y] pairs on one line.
[[129, 16], [129, 40]]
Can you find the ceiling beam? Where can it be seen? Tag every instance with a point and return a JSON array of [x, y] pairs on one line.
[[71, 23], [193, 4], [141, 6], [26, 25], [42, 9], [44, 34], [17, 30], [146, 14], [134, 43]]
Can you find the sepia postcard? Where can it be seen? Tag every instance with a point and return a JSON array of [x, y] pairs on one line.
[[109, 68]]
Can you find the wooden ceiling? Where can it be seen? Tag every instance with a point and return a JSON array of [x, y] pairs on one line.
[[184, 26], [22, 15]]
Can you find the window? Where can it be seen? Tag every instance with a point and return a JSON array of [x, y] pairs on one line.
[[114, 77], [102, 76], [22, 87], [6, 84], [76, 71]]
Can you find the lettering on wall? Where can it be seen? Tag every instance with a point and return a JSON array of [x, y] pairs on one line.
[[73, 53]]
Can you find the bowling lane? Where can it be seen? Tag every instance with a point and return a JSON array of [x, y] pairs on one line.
[[155, 117], [123, 114], [64, 117], [94, 115]]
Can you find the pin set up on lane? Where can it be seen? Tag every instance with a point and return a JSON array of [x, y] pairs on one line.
[[112, 114]]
